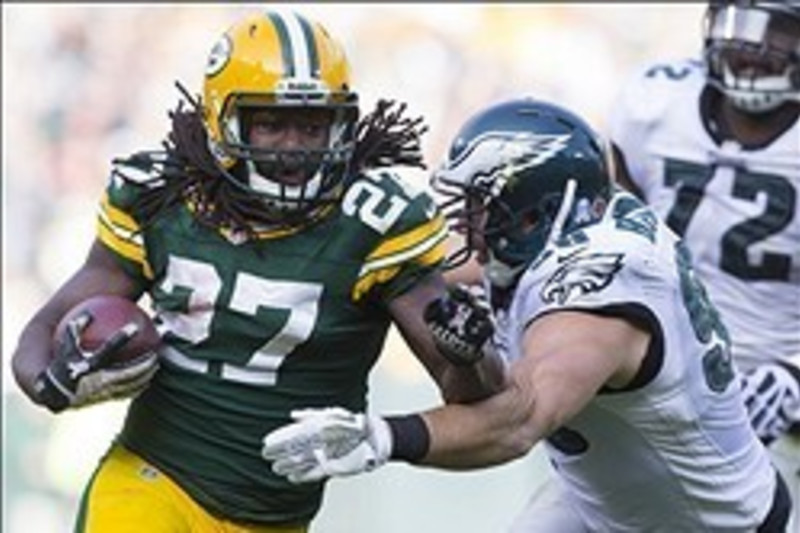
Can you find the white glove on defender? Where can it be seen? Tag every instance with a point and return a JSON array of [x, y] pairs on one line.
[[772, 397], [327, 442]]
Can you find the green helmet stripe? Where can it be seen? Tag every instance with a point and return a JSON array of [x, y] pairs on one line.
[[313, 57], [287, 52]]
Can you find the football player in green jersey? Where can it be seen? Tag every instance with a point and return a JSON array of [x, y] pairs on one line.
[[277, 247]]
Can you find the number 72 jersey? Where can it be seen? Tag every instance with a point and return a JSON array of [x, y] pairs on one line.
[[256, 328], [737, 209]]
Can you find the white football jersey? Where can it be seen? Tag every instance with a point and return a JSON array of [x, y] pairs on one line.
[[738, 210], [675, 452]]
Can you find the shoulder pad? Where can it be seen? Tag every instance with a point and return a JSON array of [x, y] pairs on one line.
[[387, 202], [405, 181], [652, 89], [672, 72], [147, 168], [610, 261], [133, 176], [406, 231], [581, 276]]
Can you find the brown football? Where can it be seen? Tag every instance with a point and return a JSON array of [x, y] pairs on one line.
[[109, 314]]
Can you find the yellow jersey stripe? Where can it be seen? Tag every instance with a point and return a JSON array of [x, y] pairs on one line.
[[404, 247], [117, 217], [405, 255], [427, 252], [114, 229]]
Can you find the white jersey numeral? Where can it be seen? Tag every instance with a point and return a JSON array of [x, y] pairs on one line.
[[250, 293]]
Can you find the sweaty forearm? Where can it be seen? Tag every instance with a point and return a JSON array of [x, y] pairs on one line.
[[482, 434], [335, 442]]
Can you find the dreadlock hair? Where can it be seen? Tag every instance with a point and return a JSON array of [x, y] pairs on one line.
[[384, 137]]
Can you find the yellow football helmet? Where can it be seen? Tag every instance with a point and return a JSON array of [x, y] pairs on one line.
[[279, 59]]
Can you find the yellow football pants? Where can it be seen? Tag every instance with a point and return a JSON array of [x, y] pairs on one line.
[[128, 495]]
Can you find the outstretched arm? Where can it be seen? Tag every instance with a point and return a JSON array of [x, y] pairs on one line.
[[568, 357]]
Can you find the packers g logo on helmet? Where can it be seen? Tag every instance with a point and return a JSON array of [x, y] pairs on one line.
[[219, 56]]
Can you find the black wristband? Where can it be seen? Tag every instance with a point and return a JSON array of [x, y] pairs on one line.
[[410, 437]]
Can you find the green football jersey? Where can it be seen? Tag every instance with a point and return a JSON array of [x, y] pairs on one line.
[[255, 328]]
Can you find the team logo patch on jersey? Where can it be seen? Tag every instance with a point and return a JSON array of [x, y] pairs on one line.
[[579, 275], [494, 159]]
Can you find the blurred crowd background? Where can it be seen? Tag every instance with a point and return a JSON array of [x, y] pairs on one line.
[[85, 83]]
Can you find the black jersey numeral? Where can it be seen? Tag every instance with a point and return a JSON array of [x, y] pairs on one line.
[[706, 323], [690, 181], [670, 71]]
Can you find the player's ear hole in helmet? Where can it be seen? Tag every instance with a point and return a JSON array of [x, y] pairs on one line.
[[752, 52], [518, 175]]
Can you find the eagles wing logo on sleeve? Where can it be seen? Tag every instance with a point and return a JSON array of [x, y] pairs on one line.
[[579, 275]]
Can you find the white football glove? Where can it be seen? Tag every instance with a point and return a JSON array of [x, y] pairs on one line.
[[327, 442], [772, 397], [77, 377]]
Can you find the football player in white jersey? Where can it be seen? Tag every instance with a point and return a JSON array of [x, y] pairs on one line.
[[617, 359], [714, 148]]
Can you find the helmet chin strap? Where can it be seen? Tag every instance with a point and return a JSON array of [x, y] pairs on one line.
[[503, 275]]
